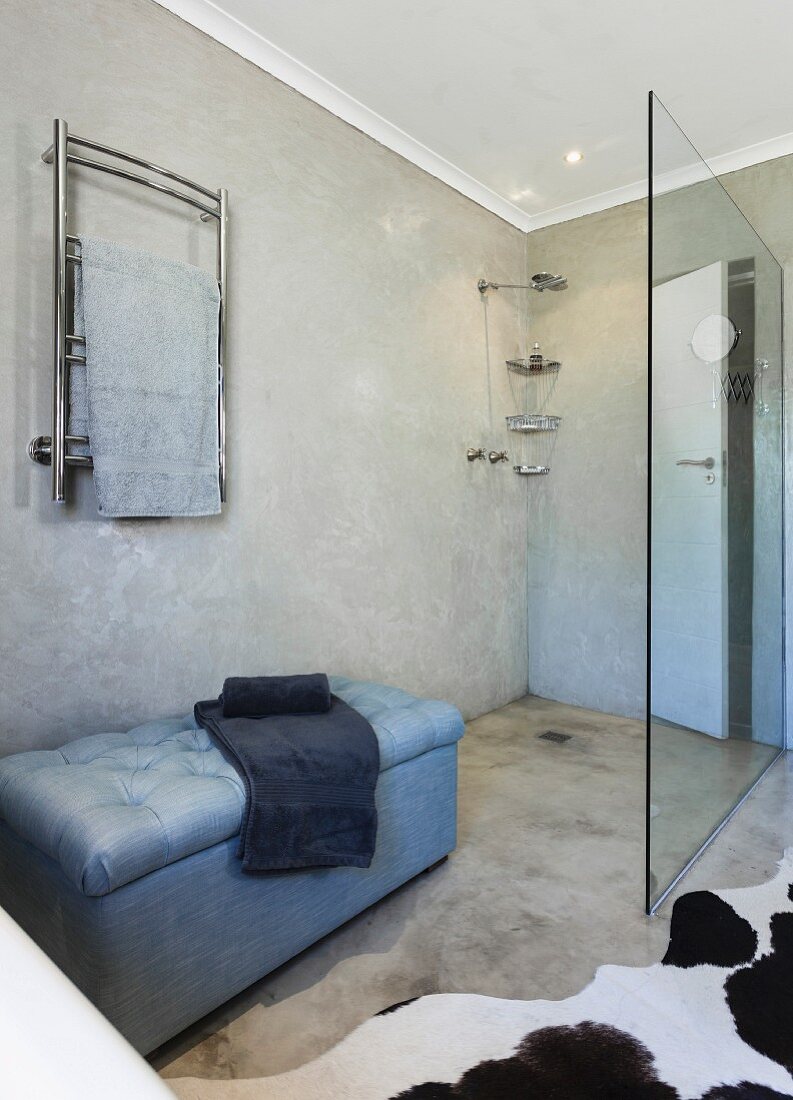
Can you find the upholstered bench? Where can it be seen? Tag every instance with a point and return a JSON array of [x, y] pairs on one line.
[[117, 855]]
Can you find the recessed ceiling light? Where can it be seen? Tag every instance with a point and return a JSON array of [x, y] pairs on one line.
[[574, 157]]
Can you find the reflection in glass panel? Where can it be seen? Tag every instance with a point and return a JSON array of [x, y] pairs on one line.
[[715, 640]]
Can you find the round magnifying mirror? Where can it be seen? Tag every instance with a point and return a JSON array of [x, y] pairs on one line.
[[714, 338]]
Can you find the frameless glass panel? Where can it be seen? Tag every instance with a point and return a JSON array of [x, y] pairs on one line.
[[715, 663]]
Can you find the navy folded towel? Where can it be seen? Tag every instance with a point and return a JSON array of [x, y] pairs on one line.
[[260, 696], [310, 782]]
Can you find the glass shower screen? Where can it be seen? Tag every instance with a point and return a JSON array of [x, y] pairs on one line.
[[715, 631]]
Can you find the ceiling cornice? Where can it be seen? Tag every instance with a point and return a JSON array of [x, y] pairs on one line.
[[781, 146], [224, 28], [248, 43]]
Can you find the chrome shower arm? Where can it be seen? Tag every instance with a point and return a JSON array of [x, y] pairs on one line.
[[484, 285], [543, 281]]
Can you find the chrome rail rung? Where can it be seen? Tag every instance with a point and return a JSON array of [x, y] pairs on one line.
[[40, 450], [141, 163], [75, 359], [84, 162], [97, 147]]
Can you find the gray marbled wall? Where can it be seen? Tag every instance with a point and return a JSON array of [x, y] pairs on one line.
[[361, 365], [587, 519]]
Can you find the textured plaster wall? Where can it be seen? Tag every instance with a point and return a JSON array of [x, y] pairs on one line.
[[587, 519], [361, 364]]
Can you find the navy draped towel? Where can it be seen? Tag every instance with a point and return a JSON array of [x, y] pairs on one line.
[[310, 782]]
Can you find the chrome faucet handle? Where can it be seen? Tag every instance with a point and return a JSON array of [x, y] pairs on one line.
[[498, 456], [475, 452]]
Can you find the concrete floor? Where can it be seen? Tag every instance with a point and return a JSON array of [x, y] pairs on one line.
[[546, 884], [696, 781]]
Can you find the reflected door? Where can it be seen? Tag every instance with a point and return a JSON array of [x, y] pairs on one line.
[[689, 594]]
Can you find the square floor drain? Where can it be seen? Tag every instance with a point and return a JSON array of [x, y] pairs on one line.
[[557, 738]]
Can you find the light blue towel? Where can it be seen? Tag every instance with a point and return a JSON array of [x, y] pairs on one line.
[[147, 396]]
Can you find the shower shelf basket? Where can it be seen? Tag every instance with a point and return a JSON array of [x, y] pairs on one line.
[[531, 470], [533, 422], [526, 367]]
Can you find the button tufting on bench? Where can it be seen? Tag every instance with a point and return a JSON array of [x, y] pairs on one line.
[[83, 805]]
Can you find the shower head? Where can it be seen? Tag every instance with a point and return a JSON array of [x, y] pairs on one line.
[[542, 281], [545, 281]]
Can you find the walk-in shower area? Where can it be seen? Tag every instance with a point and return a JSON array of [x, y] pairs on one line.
[[649, 396]]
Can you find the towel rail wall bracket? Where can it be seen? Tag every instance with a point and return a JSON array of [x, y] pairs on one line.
[[53, 450]]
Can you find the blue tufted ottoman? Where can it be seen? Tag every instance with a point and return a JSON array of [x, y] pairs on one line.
[[117, 855]]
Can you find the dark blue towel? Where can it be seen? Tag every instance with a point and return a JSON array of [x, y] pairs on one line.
[[310, 782], [263, 696]]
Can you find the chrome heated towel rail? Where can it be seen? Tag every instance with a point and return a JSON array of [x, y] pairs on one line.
[[53, 450]]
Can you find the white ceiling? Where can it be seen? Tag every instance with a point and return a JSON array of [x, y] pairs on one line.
[[490, 94]]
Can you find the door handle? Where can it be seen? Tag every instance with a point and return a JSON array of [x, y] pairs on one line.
[[708, 463]]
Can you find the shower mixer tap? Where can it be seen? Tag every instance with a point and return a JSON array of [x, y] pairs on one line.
[[475, 452], [498, 456]]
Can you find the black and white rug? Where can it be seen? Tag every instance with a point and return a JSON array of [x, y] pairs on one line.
[[712, 1021]]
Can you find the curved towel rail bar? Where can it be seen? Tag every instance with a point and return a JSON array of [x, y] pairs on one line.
[[84, 162], [53, 449], [98, 148]]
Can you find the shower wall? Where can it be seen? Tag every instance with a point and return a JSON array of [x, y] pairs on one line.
[[361, 364], [587, 519]]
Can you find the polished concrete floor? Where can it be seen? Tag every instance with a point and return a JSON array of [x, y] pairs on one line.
[[695, 782], [547, 883]]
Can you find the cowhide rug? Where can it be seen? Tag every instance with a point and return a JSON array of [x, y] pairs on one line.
[[713, 1021]]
